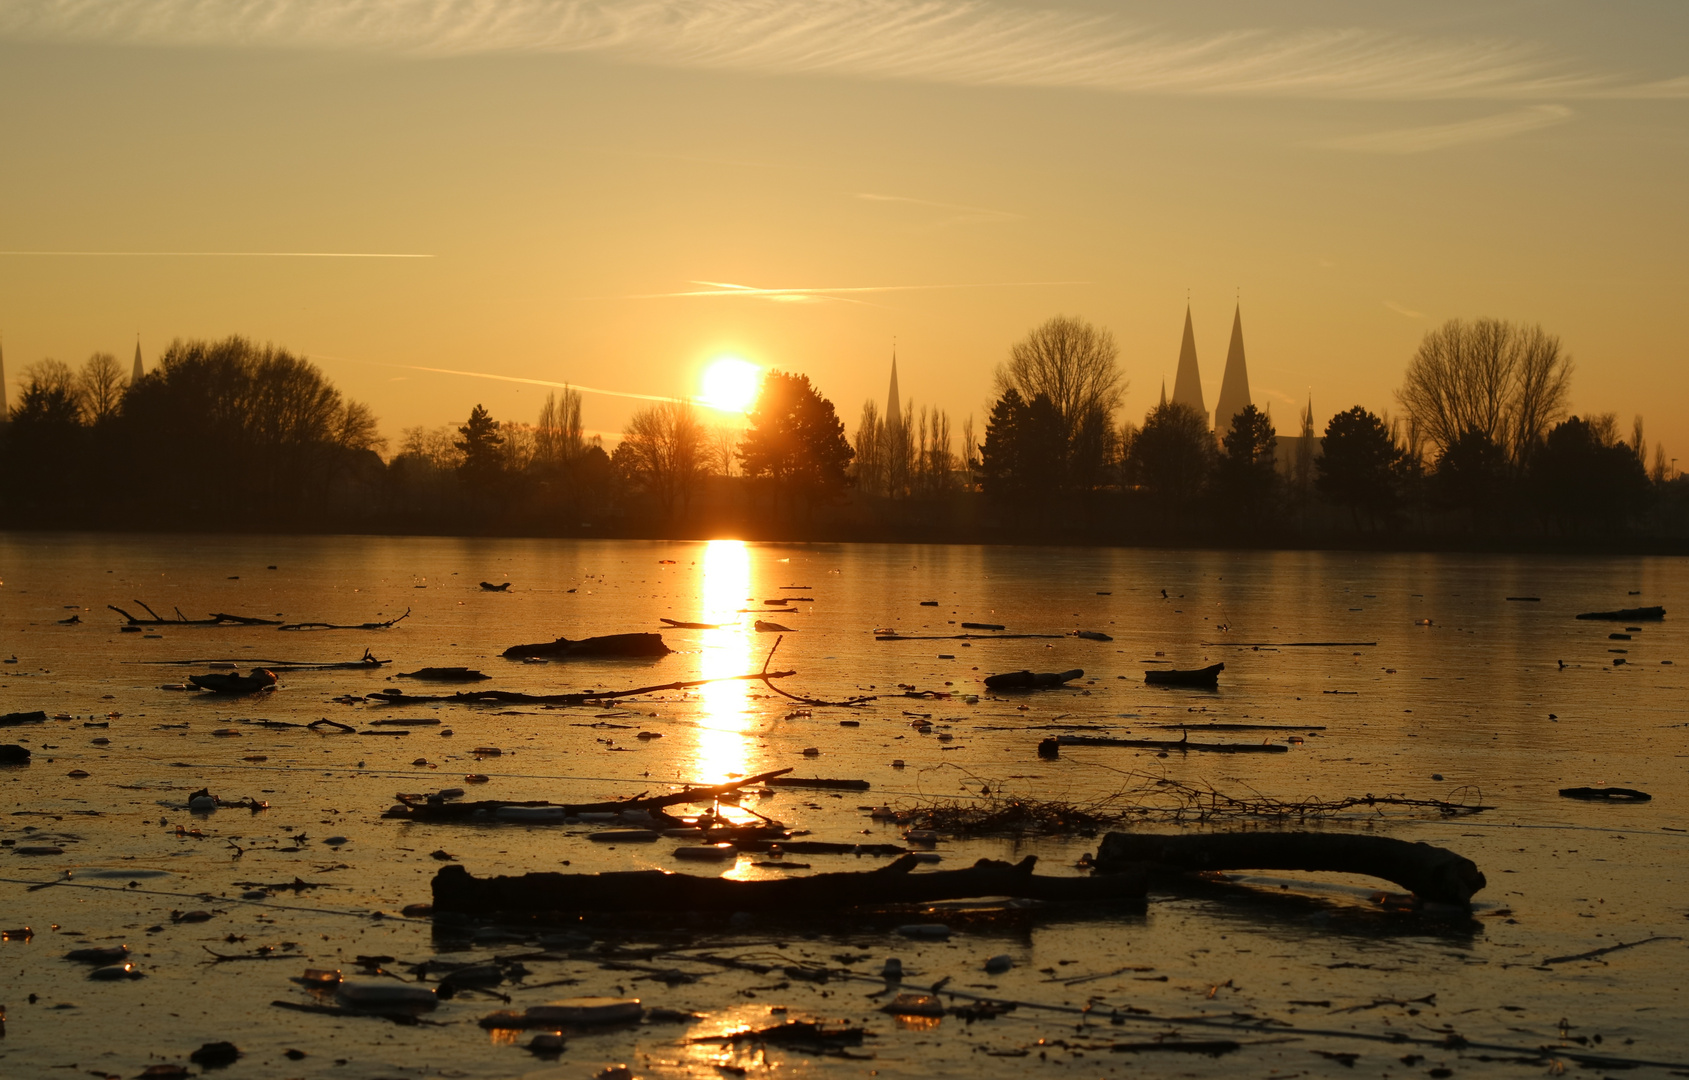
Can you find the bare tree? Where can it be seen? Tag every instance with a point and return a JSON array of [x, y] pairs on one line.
[[724, 449], [664, 450], [870, 451], [1507, 382], [1074, 364], [432, 446], [101, 386], [1638, 444], [558, 437]]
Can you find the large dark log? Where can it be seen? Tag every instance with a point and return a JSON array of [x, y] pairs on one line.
[[1629, 614], [1430, 873], [605, 646], [455, 889]]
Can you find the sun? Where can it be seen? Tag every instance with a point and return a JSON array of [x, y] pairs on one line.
[[731, 384]]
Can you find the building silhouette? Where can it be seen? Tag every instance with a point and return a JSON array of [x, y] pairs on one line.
[[1187, 382], [136, 377], [5, 412], [1234, 385], [894, 407]]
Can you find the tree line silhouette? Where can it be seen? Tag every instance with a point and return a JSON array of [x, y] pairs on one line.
[[234, 435]]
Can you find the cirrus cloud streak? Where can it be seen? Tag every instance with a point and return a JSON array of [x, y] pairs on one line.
[[960, 42]]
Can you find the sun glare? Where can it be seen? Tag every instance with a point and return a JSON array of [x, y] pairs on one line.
[[731, 384]]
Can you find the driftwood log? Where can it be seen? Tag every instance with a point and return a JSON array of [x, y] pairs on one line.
[[606, 646], [1430, 873], [1629, 614], [456, 890]]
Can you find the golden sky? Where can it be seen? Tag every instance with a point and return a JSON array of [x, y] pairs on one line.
[[573, 172]]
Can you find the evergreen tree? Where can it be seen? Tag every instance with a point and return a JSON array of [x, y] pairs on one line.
[[1172, 460], [1247, 479], [1585, 482], [1360, 466], [796, 440], [481, 446]]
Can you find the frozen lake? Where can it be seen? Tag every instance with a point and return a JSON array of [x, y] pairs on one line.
[[1446, 689]]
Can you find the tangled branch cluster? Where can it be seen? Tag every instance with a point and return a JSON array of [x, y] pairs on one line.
[[1157, 799]]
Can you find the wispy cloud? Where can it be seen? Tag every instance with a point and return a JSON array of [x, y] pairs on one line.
[[816, 295], [231, 254], [953, 213], [968, 42], [1400, 310], [1420, 140], [495, 378]]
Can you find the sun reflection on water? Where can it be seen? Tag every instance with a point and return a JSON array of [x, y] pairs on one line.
[[721, 751]]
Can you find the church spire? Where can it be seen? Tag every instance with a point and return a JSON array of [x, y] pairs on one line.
[[1187, 383], [1234, 386], [137, 376], [1163, 392], [894, 407]]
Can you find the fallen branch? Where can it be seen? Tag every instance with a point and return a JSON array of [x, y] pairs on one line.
[[1593, 953], [368, 662], [510, 697], [966, 637], [582, 697], [340, 626], [419, 810], [653, 890], [1051, 747], [1430, 873], [216, 619]]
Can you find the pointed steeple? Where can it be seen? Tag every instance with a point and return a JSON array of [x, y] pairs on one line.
[[1187, 383], [894, 407], [135, 378], [1234, 386], [1163, 392]]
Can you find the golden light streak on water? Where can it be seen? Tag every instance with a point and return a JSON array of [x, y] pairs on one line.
[[722, 742]]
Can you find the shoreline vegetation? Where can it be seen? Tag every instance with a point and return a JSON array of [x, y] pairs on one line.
[[233, 437]]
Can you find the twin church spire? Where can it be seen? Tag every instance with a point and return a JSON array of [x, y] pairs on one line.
[[1234, 385]]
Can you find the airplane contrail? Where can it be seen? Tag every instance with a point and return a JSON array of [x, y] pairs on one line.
[[725, 288], [237, 254], [500, 378]]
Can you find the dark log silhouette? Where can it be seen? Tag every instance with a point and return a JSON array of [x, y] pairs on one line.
[[678, 625], [1430, 873], [1605, 794], [444, 674], [1205, 677], [613, 646], [488, 586], [229, 683], [809, 782], [456, 890], [1628, 614], [13, 719], [1032, 680]]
